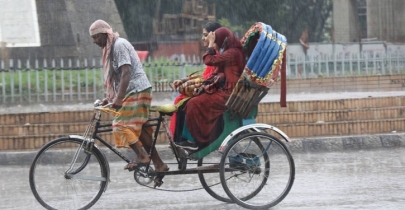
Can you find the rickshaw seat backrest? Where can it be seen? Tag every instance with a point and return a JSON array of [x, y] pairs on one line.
[[265, 49]]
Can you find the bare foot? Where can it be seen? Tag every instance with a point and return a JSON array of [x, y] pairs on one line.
[[163, 167], [142, 160], [136, 163]]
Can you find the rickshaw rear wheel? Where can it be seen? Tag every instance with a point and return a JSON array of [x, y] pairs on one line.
[[211, 183], [262, 170]]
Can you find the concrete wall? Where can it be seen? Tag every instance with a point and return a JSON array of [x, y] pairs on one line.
[[63, 27], [345, 21], [301, 119], [386, 20]]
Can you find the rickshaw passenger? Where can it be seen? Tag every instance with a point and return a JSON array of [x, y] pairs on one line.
[[175, 119], [204, 111]]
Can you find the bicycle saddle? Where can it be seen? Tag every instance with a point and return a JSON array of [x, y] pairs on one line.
[[165, 109]]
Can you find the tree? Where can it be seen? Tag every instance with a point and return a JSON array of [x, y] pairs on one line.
[[288, 17], [137, 16]]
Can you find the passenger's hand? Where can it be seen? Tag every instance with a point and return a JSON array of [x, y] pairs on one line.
[[198, 91], [209, 88], [188, 83], [104, 102], [211, 39], [177, 83]]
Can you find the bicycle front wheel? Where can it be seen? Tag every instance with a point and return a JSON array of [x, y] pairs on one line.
[[55, 187]]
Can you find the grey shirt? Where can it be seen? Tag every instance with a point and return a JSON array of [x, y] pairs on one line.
[[124, 53]]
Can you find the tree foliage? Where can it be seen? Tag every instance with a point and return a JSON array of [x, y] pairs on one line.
[[288, 17], [137, 16]]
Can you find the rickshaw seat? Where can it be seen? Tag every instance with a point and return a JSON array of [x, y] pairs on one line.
[[231, 123], [164, 109]]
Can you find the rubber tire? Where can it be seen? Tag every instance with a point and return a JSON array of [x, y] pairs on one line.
[[96, 153], [288, 187], [208, 189]]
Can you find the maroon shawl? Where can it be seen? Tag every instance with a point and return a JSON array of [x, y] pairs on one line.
[[204, 112]]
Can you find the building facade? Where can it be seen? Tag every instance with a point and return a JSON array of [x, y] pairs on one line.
[[369, 20]]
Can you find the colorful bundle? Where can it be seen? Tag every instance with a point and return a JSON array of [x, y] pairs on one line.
[[265, 60], [265, 50]]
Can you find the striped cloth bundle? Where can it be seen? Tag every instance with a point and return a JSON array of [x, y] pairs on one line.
[[265, 50], [264, 62]]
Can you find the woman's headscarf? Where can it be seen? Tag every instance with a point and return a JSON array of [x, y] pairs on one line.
[[224, 38], [100, 26]]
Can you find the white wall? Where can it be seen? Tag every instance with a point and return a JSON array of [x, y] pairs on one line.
[[340, 49], [19, 23]]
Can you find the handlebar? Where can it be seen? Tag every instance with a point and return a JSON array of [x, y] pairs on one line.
[[104, 108]]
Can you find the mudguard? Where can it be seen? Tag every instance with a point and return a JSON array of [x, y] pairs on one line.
[[256, 126]]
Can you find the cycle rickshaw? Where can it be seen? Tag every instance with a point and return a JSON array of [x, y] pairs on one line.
[[252, 166]]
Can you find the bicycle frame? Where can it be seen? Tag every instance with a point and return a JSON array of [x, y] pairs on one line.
[[88, 143]]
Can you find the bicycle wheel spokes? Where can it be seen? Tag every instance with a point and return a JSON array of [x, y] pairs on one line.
[[55, 189], [211, 181], [263, 170]]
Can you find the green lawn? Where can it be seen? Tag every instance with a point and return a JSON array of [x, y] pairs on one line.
[[37, 81]]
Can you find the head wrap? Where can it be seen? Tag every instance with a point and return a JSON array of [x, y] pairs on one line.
[[224, 38], [100, 26]]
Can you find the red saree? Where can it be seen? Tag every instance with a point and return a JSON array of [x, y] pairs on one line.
[[204, 112]]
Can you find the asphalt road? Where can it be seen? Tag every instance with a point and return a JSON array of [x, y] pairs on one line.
[[360, 179]]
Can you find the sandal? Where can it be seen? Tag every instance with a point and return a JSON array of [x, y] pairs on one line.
[[133, 165], [159, 178]]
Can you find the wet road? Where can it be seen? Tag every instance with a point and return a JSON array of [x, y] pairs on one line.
[[352, 180]]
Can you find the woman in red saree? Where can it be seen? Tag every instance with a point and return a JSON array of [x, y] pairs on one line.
[[204, 111], [207, 28]]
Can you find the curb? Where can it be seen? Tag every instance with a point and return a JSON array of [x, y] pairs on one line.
[[348, 143], [306, 145]]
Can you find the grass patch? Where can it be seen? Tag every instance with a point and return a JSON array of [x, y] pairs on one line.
[[41, 81]]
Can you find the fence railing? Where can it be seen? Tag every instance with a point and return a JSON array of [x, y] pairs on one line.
[[68, 80], [350, 64]]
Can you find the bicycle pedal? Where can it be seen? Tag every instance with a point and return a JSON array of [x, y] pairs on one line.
[[158, 184], [130, 169], [182, 152]]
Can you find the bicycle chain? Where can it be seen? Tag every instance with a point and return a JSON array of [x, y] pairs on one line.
[[166, 190]]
